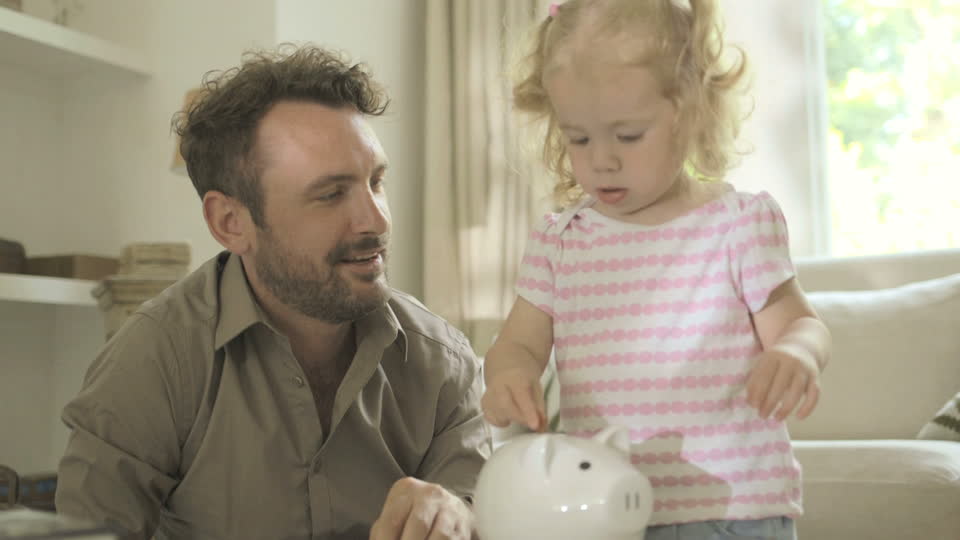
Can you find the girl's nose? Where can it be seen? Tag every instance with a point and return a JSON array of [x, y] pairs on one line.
[[604, 159]]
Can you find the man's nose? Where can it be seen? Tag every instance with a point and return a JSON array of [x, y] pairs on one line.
[[369, 213], [604, 158]]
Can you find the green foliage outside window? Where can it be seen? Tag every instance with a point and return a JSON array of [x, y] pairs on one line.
[[894, 130]]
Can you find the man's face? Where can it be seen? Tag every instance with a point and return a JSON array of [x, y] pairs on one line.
[[323, 250]]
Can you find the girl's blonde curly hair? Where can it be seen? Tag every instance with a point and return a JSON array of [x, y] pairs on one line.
[[681, 41]]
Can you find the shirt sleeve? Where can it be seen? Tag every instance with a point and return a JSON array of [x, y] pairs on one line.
[[759, 250], [462, 440], [535, 278], [123, 453]]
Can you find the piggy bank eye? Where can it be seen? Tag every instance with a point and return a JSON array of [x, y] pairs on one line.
[[584, 465]]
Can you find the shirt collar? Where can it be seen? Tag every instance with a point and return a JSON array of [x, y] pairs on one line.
[[566, 216], [238, 307], [380, 329]]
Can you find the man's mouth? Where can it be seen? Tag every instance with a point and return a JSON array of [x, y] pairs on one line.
[[368, 263], [365, 256], [360, 259]]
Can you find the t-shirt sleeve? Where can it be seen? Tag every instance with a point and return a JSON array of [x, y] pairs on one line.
[[759, 249], [535, 279]]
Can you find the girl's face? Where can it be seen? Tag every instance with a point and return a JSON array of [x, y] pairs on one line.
[[619, 131]]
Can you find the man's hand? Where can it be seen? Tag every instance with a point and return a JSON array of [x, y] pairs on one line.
[[418, 510], [782, 379]]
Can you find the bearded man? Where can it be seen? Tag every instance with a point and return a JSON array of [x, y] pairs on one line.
[[283, 389]]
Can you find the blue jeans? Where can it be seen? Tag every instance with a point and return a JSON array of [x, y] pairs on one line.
[[776, 528]]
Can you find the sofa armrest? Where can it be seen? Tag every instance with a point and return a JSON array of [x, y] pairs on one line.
[[880, 489]]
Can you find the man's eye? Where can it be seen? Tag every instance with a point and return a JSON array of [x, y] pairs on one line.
[[629, 138], [333, 195], [377, 183]]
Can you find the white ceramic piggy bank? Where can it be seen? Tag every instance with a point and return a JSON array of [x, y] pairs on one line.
[[559, 487]]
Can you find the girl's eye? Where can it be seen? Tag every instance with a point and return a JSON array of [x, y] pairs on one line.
[[579, 141], [629, 138]]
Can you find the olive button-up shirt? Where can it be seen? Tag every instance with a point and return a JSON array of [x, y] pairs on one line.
[[196, 421]]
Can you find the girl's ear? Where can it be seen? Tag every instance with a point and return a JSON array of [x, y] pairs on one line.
[[678, 116]]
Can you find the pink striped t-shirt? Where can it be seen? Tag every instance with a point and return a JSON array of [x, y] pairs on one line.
[[652, 330]]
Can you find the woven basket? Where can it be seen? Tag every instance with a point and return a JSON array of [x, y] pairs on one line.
[[166, 259]]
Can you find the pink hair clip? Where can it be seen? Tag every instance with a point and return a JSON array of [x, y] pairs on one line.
[[554, 9]]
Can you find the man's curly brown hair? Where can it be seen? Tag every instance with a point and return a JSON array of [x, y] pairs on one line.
[[218, 129]]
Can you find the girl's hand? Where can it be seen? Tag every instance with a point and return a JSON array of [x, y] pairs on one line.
[[780, 378], [796, 348], [512, 368], [513, 394]]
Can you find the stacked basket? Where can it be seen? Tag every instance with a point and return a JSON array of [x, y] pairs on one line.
[[146, 269]]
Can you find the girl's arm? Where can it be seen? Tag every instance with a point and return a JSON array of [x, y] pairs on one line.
[[796, 348], [513, 365]]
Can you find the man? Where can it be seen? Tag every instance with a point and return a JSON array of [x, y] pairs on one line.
[[282, 390]]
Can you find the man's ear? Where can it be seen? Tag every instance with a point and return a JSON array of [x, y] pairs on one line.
[[229, 221]]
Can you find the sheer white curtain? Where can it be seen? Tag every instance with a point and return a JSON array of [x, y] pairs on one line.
[[479, 185]]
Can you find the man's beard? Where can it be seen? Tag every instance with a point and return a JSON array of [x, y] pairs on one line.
[[319, 293]]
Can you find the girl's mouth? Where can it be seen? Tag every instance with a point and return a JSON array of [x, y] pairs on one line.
[[611, 196]]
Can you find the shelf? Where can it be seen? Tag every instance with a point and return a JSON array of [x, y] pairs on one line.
[[46, 290], [49, 48]]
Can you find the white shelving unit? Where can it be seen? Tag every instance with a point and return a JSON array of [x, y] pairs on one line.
[[46, 290], [39, 45], [51, 328]]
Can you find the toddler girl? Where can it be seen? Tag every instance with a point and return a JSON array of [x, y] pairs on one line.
[[667, 297]]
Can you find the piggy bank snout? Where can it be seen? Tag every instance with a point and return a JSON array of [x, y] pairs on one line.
[[631, 502]]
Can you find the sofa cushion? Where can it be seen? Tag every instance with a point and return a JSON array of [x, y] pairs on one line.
[[894, 360], [945, 425], [881, 490]]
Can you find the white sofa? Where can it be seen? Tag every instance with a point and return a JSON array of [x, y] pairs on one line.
[[896, 331], [895, 321]]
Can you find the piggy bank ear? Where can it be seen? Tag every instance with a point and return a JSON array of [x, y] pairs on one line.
[[617, 437], [539, 454]]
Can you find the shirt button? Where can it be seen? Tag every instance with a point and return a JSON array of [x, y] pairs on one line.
[[298, 380]]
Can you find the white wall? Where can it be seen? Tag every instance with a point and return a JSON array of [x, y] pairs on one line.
[[26, 392], [184, 40], [773, 32], [92, 174], [44, 353], [31, 141], [389, 37]]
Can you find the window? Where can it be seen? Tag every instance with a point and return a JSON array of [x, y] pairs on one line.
[[893, 146]]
